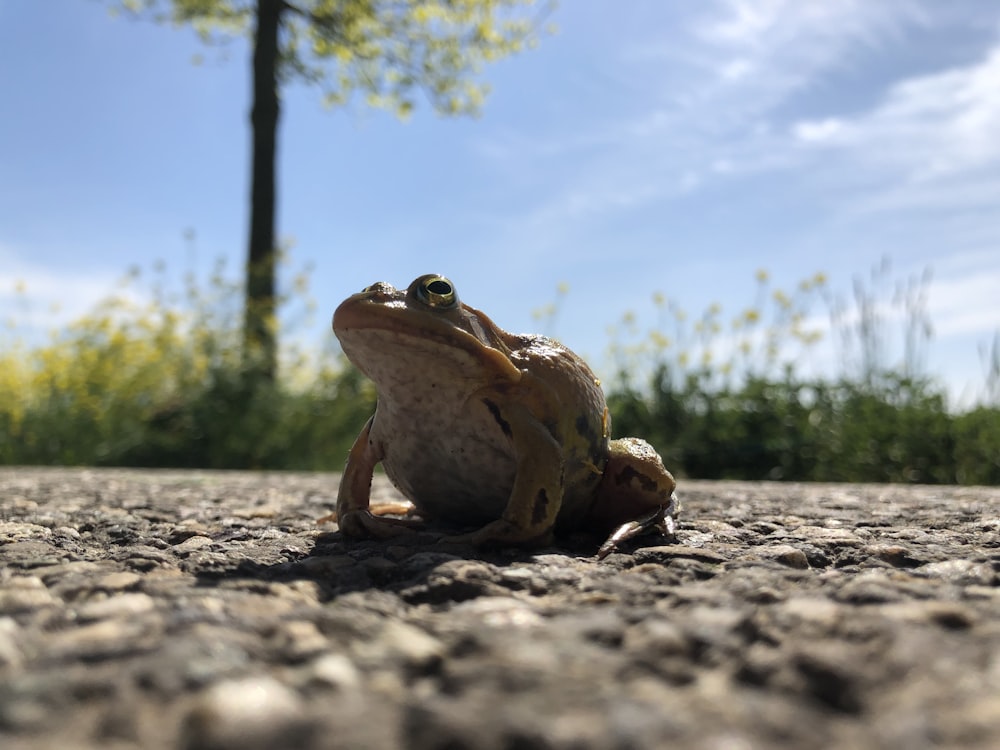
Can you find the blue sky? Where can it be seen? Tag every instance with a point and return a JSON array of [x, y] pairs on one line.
[[649, 146]]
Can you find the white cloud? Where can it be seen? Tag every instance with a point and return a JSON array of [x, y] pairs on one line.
[[818, 131], [777, 47], [926, 127], [966, 303]]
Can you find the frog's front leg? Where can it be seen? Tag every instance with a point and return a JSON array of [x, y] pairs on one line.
[[636, 494], [537, 493], [353, 513]]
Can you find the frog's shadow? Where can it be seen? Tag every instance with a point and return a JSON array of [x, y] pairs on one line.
[[435, 571]]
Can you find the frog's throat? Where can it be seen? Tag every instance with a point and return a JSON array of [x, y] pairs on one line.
[[443, 332]]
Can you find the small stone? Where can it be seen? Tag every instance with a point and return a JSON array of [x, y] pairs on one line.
[[262, 511], [300, 639], [304, 592], [24, 593], [15, 531], [894, 554], [337, 671], [404, 642], [823, 536], [10, 651], [30, 554], [191, 544], [517, 578], [961, 572], [99, 640], [146, 557], [457, 581], [118, 581], [121, 605], [950, 615], [812, 609], [786, 554], [656, 638], [250, 713], [501, 612], [869, 588]]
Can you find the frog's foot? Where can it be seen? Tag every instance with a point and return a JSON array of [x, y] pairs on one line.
[[659, 519], [370, 522], [500, 532], [382, 509]]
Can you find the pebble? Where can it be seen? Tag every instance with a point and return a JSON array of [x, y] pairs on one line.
[[501, 612], [961, 572], [23, 594], [811, 609], [119, 581], [119, 606], [785, 554], [409, 644], [828, 537], [30, 554], [251, 713], [191, 544], [335, 670], [10, 650], [298, 640], [104, 639]]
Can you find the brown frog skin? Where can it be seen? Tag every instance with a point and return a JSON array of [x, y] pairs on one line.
[[482, 428]]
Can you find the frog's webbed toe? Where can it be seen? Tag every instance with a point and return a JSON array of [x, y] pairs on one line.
[[370, 523], [659, 519]]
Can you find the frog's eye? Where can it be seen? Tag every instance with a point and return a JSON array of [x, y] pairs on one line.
[[437, 291]]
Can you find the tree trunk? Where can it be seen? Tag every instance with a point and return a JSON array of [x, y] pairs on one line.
[[260, 353]]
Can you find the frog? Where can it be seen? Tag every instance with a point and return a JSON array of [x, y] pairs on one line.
[[508, 435]]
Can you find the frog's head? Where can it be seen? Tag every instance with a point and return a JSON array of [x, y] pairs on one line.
[[424, 327]]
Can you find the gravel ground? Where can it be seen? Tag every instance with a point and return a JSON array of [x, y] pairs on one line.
[[203, 610]]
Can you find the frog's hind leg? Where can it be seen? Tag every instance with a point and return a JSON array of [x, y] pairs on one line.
[[636, 495], [537, 494]]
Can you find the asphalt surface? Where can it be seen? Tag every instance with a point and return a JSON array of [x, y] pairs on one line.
[[200, 610]]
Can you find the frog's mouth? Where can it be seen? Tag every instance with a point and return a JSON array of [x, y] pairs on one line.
[[436, 331]]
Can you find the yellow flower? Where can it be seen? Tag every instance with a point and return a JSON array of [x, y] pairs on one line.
[[659, 340]]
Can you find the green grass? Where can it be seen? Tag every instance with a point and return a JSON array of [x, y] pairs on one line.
[[161, 384]]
